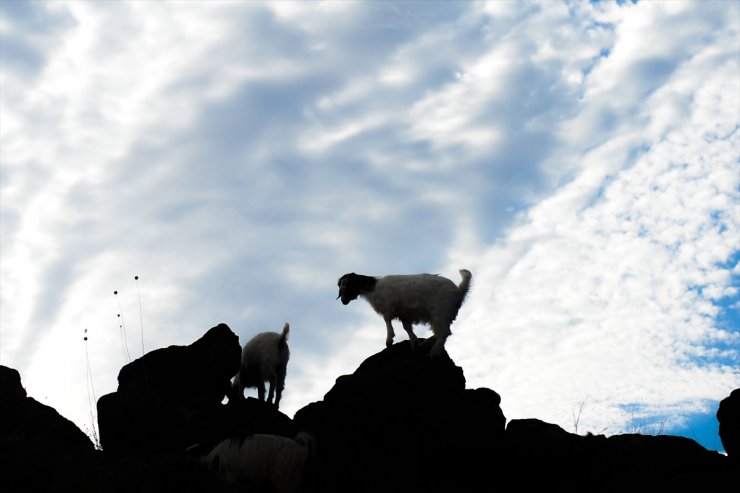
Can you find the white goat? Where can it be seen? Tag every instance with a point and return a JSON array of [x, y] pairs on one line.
[[413, 299], [267, 462], [264, 359]]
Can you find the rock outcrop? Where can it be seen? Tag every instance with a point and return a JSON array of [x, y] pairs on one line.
[[38, 446], [404, 422], [728, 415]]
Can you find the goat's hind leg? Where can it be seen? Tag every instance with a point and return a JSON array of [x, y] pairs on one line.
[[271, 393], [278, 394], [279, 385], [441, 333], [409, 328]]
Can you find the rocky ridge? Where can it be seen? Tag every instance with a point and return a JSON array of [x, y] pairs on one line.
[[400, 422]]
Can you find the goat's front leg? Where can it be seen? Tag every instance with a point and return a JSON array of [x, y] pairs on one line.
[[261, 391], [409, 328], [391, 334], [237, 389]]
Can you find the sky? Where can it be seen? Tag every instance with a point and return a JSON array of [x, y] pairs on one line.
[[579, 158]]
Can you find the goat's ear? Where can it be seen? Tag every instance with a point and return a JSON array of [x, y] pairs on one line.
[[342, 283], [346, 278]]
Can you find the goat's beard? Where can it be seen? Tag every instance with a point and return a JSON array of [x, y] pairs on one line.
[[345, 299]]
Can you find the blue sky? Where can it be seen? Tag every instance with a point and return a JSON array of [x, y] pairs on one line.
[[581, 159]]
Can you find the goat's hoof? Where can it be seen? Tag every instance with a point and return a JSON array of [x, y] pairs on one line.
[[389, 343], [428, 341], [435, 352]]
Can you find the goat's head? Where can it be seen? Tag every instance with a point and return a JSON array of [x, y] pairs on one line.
[[348, 288]]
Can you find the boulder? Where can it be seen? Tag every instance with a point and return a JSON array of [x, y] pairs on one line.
[[404, 422], [171, 398], [728, 415], [38, 447]]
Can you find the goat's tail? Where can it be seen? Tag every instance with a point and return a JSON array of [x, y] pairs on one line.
[[283, 341], [464, 285]]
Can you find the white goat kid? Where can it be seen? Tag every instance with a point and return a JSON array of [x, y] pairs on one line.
[[264, 359], [413, 299], [268, 462]]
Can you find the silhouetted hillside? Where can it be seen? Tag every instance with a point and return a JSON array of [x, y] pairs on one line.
[[402, 422]]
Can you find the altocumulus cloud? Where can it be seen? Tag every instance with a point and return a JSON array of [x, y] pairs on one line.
[[580, 159]]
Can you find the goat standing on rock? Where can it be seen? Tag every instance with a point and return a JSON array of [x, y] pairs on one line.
[[413, 299], [264, 359]]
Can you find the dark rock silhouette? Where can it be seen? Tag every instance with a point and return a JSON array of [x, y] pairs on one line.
[[404, 422], [728, 415], [38, 446], [619, 463], [400, 422]]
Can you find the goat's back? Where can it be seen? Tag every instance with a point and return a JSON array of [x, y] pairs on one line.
[[418, 286], [262, 343], [415, 297], [266, 344], [270, 461], [265, 352]]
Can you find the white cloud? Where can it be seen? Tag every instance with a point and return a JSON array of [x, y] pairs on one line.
[[601, 305]]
